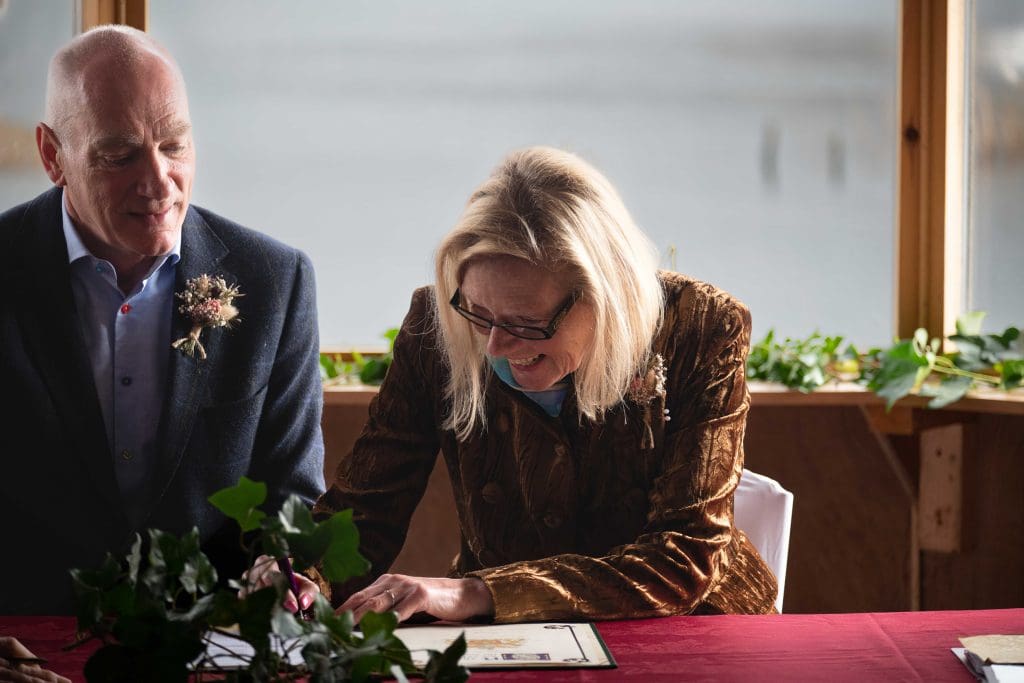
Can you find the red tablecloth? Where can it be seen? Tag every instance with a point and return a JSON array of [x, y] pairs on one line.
[[893, 646]]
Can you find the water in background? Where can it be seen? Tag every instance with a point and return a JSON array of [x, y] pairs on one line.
[[757, 139]]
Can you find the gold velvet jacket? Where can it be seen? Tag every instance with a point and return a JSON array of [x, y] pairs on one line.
[[567, 519]]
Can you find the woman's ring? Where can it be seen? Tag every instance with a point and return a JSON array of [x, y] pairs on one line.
[[391, 595]]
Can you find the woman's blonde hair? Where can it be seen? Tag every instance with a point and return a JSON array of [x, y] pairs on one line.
[[553, 210]]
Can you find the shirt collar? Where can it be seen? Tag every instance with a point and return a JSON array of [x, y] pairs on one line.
[[78, 250]]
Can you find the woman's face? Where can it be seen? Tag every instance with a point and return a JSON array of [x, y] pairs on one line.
[[512, 291]]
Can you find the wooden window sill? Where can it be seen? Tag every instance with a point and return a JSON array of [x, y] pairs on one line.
[[766, 394]]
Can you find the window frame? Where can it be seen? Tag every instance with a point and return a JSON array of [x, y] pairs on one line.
[[92, 13], [931, 166]]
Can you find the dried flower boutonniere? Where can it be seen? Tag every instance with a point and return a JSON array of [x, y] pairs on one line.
[[206, 302], [644, 390]]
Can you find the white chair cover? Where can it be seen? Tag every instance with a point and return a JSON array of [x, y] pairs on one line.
[[764, 511]]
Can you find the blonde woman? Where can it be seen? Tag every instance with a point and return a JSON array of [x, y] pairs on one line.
[[589, 408]]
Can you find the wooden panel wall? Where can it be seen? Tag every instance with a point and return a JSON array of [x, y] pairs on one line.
[[851, 547], [989, 570]]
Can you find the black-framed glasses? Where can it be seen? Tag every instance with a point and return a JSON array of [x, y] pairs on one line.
[[521, 331]]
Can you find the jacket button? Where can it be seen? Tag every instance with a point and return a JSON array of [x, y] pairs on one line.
[[560, 451], [491, 493], [552, 520]]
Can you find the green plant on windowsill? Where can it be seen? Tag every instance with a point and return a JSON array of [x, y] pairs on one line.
[[334, 369], [156, 610], [909, 366]]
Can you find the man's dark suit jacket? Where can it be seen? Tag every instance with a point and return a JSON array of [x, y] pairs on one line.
[[251, 408]]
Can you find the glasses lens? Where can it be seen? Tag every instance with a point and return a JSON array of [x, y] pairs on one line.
[[481, 323], [527, 332]]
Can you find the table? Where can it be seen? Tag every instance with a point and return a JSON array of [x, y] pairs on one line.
[[879, 646]]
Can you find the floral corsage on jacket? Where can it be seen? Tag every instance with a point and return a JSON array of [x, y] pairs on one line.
[[645, 389], [206, 302]]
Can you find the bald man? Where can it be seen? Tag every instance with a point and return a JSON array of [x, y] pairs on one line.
[[107, 429]]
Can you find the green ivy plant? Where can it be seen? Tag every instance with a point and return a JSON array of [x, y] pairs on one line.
[[909, 366], [360, 369], [156, 610]]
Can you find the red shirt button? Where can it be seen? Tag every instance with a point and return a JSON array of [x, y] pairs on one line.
[[125, 308]]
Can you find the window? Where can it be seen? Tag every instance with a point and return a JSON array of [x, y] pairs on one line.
[[30, 32], [755, 139], [994, 278]]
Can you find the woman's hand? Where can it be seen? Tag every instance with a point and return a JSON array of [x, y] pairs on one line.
[[445, 599], [13, 666], [264, 572]]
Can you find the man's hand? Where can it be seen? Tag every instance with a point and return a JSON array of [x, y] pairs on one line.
[[445, 599], [13, 666], [264, 572]]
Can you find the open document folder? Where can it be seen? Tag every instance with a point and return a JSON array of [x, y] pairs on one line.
[[506, 646]]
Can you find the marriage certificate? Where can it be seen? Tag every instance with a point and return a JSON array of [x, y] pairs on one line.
[[513, 646]]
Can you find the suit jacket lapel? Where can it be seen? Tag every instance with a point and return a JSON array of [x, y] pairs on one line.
[[53, 339], [188, 377]]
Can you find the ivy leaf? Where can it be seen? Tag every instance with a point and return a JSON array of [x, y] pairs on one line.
[[339, 625], [175, 562], [379, 624], [328, 368], [1009, 335], [199, 611], [1011, 374], [380, 640], [254, 616], [284, 624], [295, 534], [970, 323], [971, 350], [295, 516], [341, 558], [949, 390], [239, 502], [135, 559], [274, 539], [374, 370], [899, 371], [89, 587], [443, 667]]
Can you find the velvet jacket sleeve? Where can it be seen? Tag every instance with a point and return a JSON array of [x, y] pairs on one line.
[[687, 548], [384, 476]]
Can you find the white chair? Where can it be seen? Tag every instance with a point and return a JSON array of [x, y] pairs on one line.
[[763, 511]]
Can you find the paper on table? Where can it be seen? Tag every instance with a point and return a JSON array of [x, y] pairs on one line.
[[229, 652], [989, 673], [996, 649], [490, 646], [542, 645]]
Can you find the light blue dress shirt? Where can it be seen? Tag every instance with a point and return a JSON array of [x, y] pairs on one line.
[[128, 339]]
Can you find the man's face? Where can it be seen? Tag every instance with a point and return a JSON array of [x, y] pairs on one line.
[[127, 161]]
